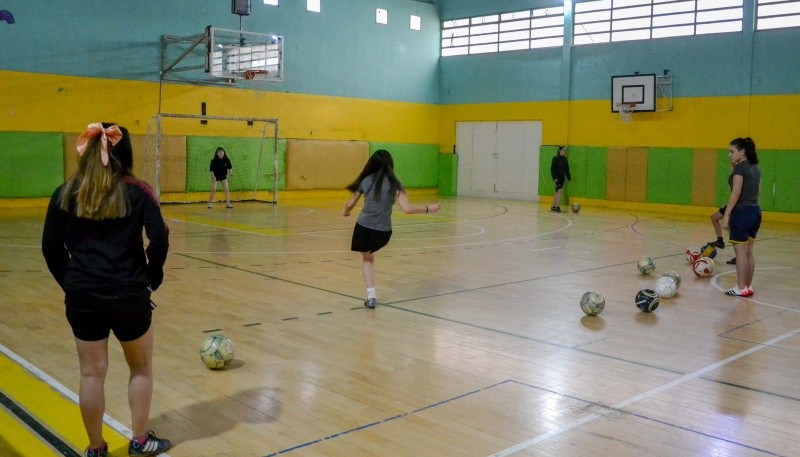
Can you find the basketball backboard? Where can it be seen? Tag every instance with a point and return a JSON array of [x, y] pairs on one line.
[[636, 92], [235, 54]]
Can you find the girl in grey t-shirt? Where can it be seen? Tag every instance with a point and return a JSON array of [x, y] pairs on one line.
[[381, 189]]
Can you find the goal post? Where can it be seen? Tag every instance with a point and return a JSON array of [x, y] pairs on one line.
[[179, 149]]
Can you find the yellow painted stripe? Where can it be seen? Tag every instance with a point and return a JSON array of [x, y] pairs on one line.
[[60, 414], [17, 440]]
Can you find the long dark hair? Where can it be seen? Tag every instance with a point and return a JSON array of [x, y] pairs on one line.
[[748, 146], [380, 165]]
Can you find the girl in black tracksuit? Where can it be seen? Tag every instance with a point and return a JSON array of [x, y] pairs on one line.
[[559, 170]]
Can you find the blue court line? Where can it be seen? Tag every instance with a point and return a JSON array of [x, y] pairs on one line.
[[362, 427]]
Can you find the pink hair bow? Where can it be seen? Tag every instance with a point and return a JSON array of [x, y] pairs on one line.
[[112, 134]]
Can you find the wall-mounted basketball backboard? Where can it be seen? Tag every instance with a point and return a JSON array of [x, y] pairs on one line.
[[222, 56], [235, 54], [633, 92]]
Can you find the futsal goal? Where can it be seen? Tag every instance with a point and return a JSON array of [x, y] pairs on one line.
[[179, 148]]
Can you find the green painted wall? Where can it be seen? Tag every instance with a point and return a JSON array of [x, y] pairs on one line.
[[669, 176], [448, 174], [416, 165], [587, 166], [33, 164], [243, 153]]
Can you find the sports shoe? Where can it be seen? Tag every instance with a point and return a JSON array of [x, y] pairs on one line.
[[101, 452], [153, 446], [717, 244], [736, 292], [732, 261], [210, 206], [749, 291], [229, 206], [371, 302]]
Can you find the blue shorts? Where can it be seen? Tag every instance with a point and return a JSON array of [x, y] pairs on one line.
[[744, 223], [93, 317]]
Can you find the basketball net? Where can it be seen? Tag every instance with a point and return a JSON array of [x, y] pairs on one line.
[[626, 112]]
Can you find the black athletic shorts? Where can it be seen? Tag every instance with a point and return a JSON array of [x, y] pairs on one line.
[[369, 240], [559, 183], [93, 317]]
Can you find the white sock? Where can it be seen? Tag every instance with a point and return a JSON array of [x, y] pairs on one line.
[[371, 293]]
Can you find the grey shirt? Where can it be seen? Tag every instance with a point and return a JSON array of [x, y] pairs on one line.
[[751, 183], [376, 215]]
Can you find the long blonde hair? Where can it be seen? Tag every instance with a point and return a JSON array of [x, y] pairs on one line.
[[98, 190]]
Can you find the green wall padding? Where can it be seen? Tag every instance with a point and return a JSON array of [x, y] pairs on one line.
[[587, 166], [448, 174], [768, 162], [243, 153], [723, 191], [787, 183], [546, 154], [416, 165], [669, 176], [33, 164]]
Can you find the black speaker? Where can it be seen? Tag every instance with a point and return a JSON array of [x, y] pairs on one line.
[[240, 7]]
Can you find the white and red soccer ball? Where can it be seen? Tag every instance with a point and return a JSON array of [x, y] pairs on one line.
[[703, 267]]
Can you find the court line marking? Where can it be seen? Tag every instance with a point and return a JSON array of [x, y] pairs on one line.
[[57, 386], [629, 401], [715, 284]]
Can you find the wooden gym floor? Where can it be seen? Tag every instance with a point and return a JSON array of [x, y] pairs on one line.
[[478, 348]]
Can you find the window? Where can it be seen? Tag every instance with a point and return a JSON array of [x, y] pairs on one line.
[[603, 21], [415, 23], [528, 29], [313, 6], [271, 2], [777, 14], [381, 16]]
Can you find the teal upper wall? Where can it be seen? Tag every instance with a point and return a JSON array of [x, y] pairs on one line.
[[343, 52], [339, 52], [701, 66]]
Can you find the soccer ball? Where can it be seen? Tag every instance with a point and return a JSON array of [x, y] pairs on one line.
[[666, 287], [693, 254], [647, 300], [703, 267], [646, 265], [708, 251], [576, 207], [592, 303], [675, 277], [216, 351]]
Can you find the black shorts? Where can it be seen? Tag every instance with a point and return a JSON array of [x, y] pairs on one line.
[[93, 317], [369, 240], [722, 209], [559, 183]]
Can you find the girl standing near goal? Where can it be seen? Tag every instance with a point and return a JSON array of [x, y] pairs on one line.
[[92, 243], [219, 167], [373, 229]]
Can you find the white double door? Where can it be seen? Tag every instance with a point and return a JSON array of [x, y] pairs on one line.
[[499, 159]]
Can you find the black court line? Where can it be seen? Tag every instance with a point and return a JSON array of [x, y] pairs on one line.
[[54, 441], [232, 267], [388, 419], [492, 386]]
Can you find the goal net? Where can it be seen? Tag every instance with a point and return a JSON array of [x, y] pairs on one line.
[[179, 149]]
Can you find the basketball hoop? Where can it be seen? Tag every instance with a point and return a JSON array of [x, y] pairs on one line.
[[251, 74], [626, 112]]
